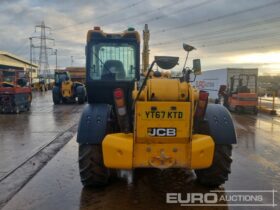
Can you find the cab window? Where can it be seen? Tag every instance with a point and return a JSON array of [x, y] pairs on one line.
[[111, 61]]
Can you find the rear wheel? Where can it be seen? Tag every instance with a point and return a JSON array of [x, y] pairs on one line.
[[64, 100], [27, 107], [56, 99], [218, 173], [81, 99], [81, 94], [92, 169], [56, 95]]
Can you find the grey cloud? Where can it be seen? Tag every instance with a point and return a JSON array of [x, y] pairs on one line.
[[71, 19]]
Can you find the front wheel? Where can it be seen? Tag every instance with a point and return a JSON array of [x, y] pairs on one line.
[[218, 173], [92, 169]]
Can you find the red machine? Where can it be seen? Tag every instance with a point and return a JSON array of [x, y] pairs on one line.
[[15, 92], [239, 97]]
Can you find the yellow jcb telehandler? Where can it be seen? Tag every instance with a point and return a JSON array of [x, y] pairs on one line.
[[65, 90], [132, 122]]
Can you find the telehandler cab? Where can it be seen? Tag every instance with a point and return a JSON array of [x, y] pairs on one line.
[[149, 122]]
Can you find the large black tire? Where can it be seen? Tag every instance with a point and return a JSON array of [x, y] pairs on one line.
[[218, 172], [56, 95], [81, 99], [93, 173], [81, 94], [27, 106], [64, 100]]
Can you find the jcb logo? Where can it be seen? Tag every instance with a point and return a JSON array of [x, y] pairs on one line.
[[162, 132]]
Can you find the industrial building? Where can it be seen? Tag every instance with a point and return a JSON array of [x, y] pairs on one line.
[[11, 61]]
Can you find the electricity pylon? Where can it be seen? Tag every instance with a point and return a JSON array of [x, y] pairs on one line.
[[44, 68]]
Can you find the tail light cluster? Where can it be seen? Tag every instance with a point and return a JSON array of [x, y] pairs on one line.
[[120, 102], [121, 110], [202, 104]]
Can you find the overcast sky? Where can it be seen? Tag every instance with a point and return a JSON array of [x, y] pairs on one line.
[[226, 33]]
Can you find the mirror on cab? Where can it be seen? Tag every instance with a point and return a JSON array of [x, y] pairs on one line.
[[166, 62], [188, 47], [196, 67]]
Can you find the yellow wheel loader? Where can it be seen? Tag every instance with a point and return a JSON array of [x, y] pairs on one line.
[[132, 122], [67, 91]]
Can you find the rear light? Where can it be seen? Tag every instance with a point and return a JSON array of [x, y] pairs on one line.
[[203, 96], [121, 110], [120, 101], [202, 104], [118, 93]]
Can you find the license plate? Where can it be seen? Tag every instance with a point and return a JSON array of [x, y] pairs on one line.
[[163, 115]]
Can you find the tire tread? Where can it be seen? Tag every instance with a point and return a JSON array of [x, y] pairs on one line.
[[91, 166], [217, 174]]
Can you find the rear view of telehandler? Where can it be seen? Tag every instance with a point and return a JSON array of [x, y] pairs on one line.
[[149, 123], [67, 91]]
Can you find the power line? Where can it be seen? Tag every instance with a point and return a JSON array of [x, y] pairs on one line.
[[113, 21], [219, 37], [20, 49], [218, 32], [219, 17], [220, 43], [239, 39], [242, 39], [195, 6], [177, 11], [146, 12], [101, 16], [205, 35]]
